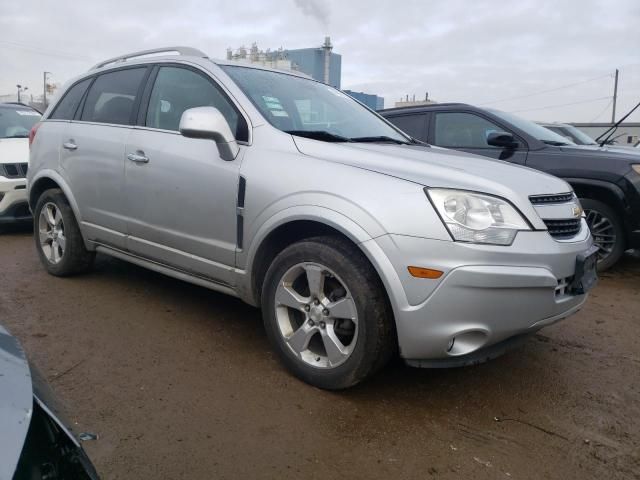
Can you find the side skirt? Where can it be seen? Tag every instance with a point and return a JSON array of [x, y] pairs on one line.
[[167, 270]]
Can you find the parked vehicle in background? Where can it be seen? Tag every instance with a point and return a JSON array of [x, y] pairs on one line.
[[35, 444], [577, 136], [16, 121], [288, 193], [607, 182]]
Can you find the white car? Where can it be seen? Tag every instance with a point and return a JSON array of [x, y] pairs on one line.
[[16, 121]]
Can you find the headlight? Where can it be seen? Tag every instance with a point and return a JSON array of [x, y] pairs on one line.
[[477, 218]]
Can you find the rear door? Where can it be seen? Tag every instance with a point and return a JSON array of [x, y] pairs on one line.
[[468, 132], [92, 153], [181, 195]]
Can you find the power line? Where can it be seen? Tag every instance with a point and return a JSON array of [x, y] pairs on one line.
[[44, 51], [546, 91], [561, 105], [603, 110]]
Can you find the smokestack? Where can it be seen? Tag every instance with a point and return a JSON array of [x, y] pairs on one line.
[[327, 47]]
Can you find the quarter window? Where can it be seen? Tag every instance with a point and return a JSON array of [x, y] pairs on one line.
[[178, 89], [66, 108], [112, 96], [463, 130]]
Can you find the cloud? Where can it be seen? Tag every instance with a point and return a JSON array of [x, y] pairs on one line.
[[474, 52]]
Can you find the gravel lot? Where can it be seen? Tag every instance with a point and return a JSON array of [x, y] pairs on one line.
[[179, 382]]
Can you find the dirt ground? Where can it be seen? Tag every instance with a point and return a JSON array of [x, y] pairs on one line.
[[179, 382]]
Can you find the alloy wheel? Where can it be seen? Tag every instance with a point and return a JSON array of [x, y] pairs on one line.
[[51, 233], [603, 232], [316, 315]]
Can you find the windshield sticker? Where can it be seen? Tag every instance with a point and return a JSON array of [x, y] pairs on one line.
[[273, 106], [279, 113], [270, 99], [28, 112]]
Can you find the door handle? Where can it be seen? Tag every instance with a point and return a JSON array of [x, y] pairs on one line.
[[70, 145], [137, 158]]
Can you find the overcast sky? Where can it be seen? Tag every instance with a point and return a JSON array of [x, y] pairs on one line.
[[480, 52]]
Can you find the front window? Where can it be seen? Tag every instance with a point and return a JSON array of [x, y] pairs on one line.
[[463, 130], [308, 108], [16, 121], [536, 131]]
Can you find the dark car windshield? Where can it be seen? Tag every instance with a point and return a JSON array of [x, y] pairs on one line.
[[536, 131], [578, 135], [308, 108], [16, 121]]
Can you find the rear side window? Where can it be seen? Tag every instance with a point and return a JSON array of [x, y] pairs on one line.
[[66, 108], [460, 130], [112, 96], [178, 89], [414, 125]]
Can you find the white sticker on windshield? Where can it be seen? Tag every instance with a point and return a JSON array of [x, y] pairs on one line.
[[28, 113], [273, 106], [270, 99], [279, 113]]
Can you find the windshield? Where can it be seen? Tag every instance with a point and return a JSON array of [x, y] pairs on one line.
[[308, 108], [536, 131], [579, 136], [15, 122]]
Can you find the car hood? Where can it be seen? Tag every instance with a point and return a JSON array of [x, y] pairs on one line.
[[16, 402], [14, 150], [438, 167], [607, 150]]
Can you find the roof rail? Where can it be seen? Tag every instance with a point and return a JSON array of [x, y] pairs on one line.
[[194, 52]]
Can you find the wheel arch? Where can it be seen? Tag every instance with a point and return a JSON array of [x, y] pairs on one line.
[[45, 180], [292, 227]]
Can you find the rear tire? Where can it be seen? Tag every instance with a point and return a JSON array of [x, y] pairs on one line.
[[57, 236], [607, 231], [326, 313]]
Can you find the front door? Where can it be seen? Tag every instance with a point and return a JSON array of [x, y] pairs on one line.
[[181, 195], [468, 132]]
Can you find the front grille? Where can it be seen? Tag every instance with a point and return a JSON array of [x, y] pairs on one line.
[[14, 170], [563, 228], [548, 199]]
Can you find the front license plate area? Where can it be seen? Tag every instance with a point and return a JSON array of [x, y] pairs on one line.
[[586, 276]]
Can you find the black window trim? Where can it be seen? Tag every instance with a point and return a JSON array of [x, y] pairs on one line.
[[59, 102], [136, 105], [524, 146], [146, 97]]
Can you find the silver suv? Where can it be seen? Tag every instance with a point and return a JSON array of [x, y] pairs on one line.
[[356, 240]]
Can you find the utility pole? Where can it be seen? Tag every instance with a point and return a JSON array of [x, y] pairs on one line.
[[44, 92], [615, 98]]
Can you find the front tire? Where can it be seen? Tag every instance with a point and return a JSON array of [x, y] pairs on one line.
[[57, 236], [607, 231], [326, 313]]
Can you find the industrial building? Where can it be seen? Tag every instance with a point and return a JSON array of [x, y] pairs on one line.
[[374, 102], [319, 63], [413, 102]]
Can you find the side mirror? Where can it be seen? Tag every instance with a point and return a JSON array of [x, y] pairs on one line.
[[502, 140], [209, 123]]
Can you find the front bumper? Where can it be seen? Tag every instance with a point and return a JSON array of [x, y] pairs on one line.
[[486, 295], [14, 206]]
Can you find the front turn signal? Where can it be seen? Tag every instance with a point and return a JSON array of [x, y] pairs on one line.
[[420, 272]]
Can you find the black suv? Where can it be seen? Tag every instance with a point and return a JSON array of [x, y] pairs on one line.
[[607, 183]]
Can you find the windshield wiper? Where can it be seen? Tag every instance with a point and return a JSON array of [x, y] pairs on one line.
[[318, 135], [555, 143], [613, 128], [379, 138], [18, 136]]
